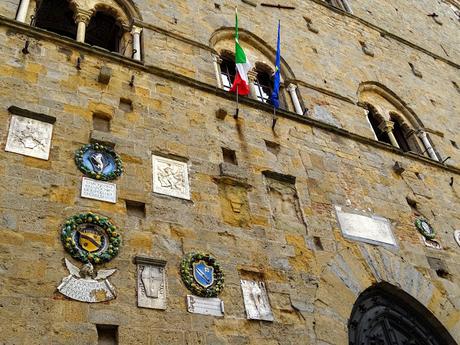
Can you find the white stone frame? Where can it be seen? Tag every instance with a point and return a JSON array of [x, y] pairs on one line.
[[170, 177]]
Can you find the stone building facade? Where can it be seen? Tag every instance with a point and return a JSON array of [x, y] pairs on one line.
[[319, 204]]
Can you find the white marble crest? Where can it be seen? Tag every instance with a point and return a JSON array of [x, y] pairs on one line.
[[431, 243], [256, 300], [170, 177], [29, 137], [371, 229], [151, 283], [205, 306], [98, 190], [81, 286], [457, 236]]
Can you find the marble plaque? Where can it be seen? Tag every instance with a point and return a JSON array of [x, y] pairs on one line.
[[457, 236], [431, 243], [256, 300], [371, 229], [29, 137], [170, 177], [98, 190], [205, 306], [151, 283]]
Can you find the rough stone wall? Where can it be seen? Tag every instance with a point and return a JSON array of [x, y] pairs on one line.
[[313, 275]]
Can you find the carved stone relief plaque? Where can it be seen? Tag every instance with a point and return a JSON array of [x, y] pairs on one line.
[[256, 300], [170, 177], [365, 228], [234, 204], [29, 137], [151, 283]]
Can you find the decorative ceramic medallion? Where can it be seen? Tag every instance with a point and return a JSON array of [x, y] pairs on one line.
[[99, 162], [425, 228], [202, 274], [457, 236], [90, 238]]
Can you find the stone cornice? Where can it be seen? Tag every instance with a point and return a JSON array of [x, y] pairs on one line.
[[130, 63], [386, 33]]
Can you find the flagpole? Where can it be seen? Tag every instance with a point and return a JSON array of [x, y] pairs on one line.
[[237, 104]]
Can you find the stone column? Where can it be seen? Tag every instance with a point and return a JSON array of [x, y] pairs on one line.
[[22, 11], [136, 32], [216, 60], [252, 76], [295, 100], [422, 135], [82, 18], [387, 127]]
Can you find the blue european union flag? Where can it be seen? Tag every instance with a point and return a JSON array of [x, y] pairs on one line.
[[276, 82]]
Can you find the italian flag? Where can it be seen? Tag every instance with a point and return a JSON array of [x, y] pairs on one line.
[[241, 82]]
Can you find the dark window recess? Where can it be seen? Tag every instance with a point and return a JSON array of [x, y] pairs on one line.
[[56, 16], [398, 132], [126, 105], [101, 123], [107, 335], [273, 147], [229, 156], [454, 144], [135, 208], [228, 71], [264, 86], [381, 135], [317, 242], [104, 31]]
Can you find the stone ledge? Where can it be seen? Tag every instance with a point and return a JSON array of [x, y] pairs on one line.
[[146, 260], [31, 115]]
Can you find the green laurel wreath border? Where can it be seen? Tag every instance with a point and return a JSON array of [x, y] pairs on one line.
[[70, 226], [418, 225], [186, 270], [90, 173]]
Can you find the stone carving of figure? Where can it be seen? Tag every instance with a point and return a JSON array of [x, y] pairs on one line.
[[97, 161], [259, 301], [170, 176], [152, 280]]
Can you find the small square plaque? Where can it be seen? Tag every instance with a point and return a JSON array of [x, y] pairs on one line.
[[170, 177], [205, 306], [98, 190], [29, 137], [256, 301], [371, 229]]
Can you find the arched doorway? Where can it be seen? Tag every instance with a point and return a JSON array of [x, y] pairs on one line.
[[386, 315]]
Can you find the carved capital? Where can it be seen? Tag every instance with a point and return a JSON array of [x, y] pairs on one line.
[[252, 76], [136, 30], [386, 126], [217, 58], [82, 16], [292, 87]]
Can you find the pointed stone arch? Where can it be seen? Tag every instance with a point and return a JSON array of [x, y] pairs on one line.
[[354, 269]]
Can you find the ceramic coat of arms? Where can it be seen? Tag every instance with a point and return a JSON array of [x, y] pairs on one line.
[[202, 274], [99, 162], [425, 228], [91, 239]]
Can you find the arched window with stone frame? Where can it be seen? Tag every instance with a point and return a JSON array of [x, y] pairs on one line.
[[393, 122], [344, 5], [107, 24], [262, 57]]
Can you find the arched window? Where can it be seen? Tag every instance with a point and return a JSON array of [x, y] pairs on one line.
[[104, 31], [56, 16], [263, 83], [375, 121], [386, 315], [340, 4], [227, 70], [400, 134]]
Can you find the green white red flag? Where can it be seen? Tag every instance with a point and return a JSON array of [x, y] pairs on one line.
[[241, 82]]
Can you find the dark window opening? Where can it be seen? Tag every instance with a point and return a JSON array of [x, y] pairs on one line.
[[104, 31], [107, 335], [229, 156], [381, 135], [398, 132], [135, 208], [101, 122], [264, 87], [227, 71], [56, 16]]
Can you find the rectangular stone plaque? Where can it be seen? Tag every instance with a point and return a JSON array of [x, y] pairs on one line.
[[256, 301], [170, 177], [205, 306], [151, 283], [29, 137], [371, 229], [98, 190]]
